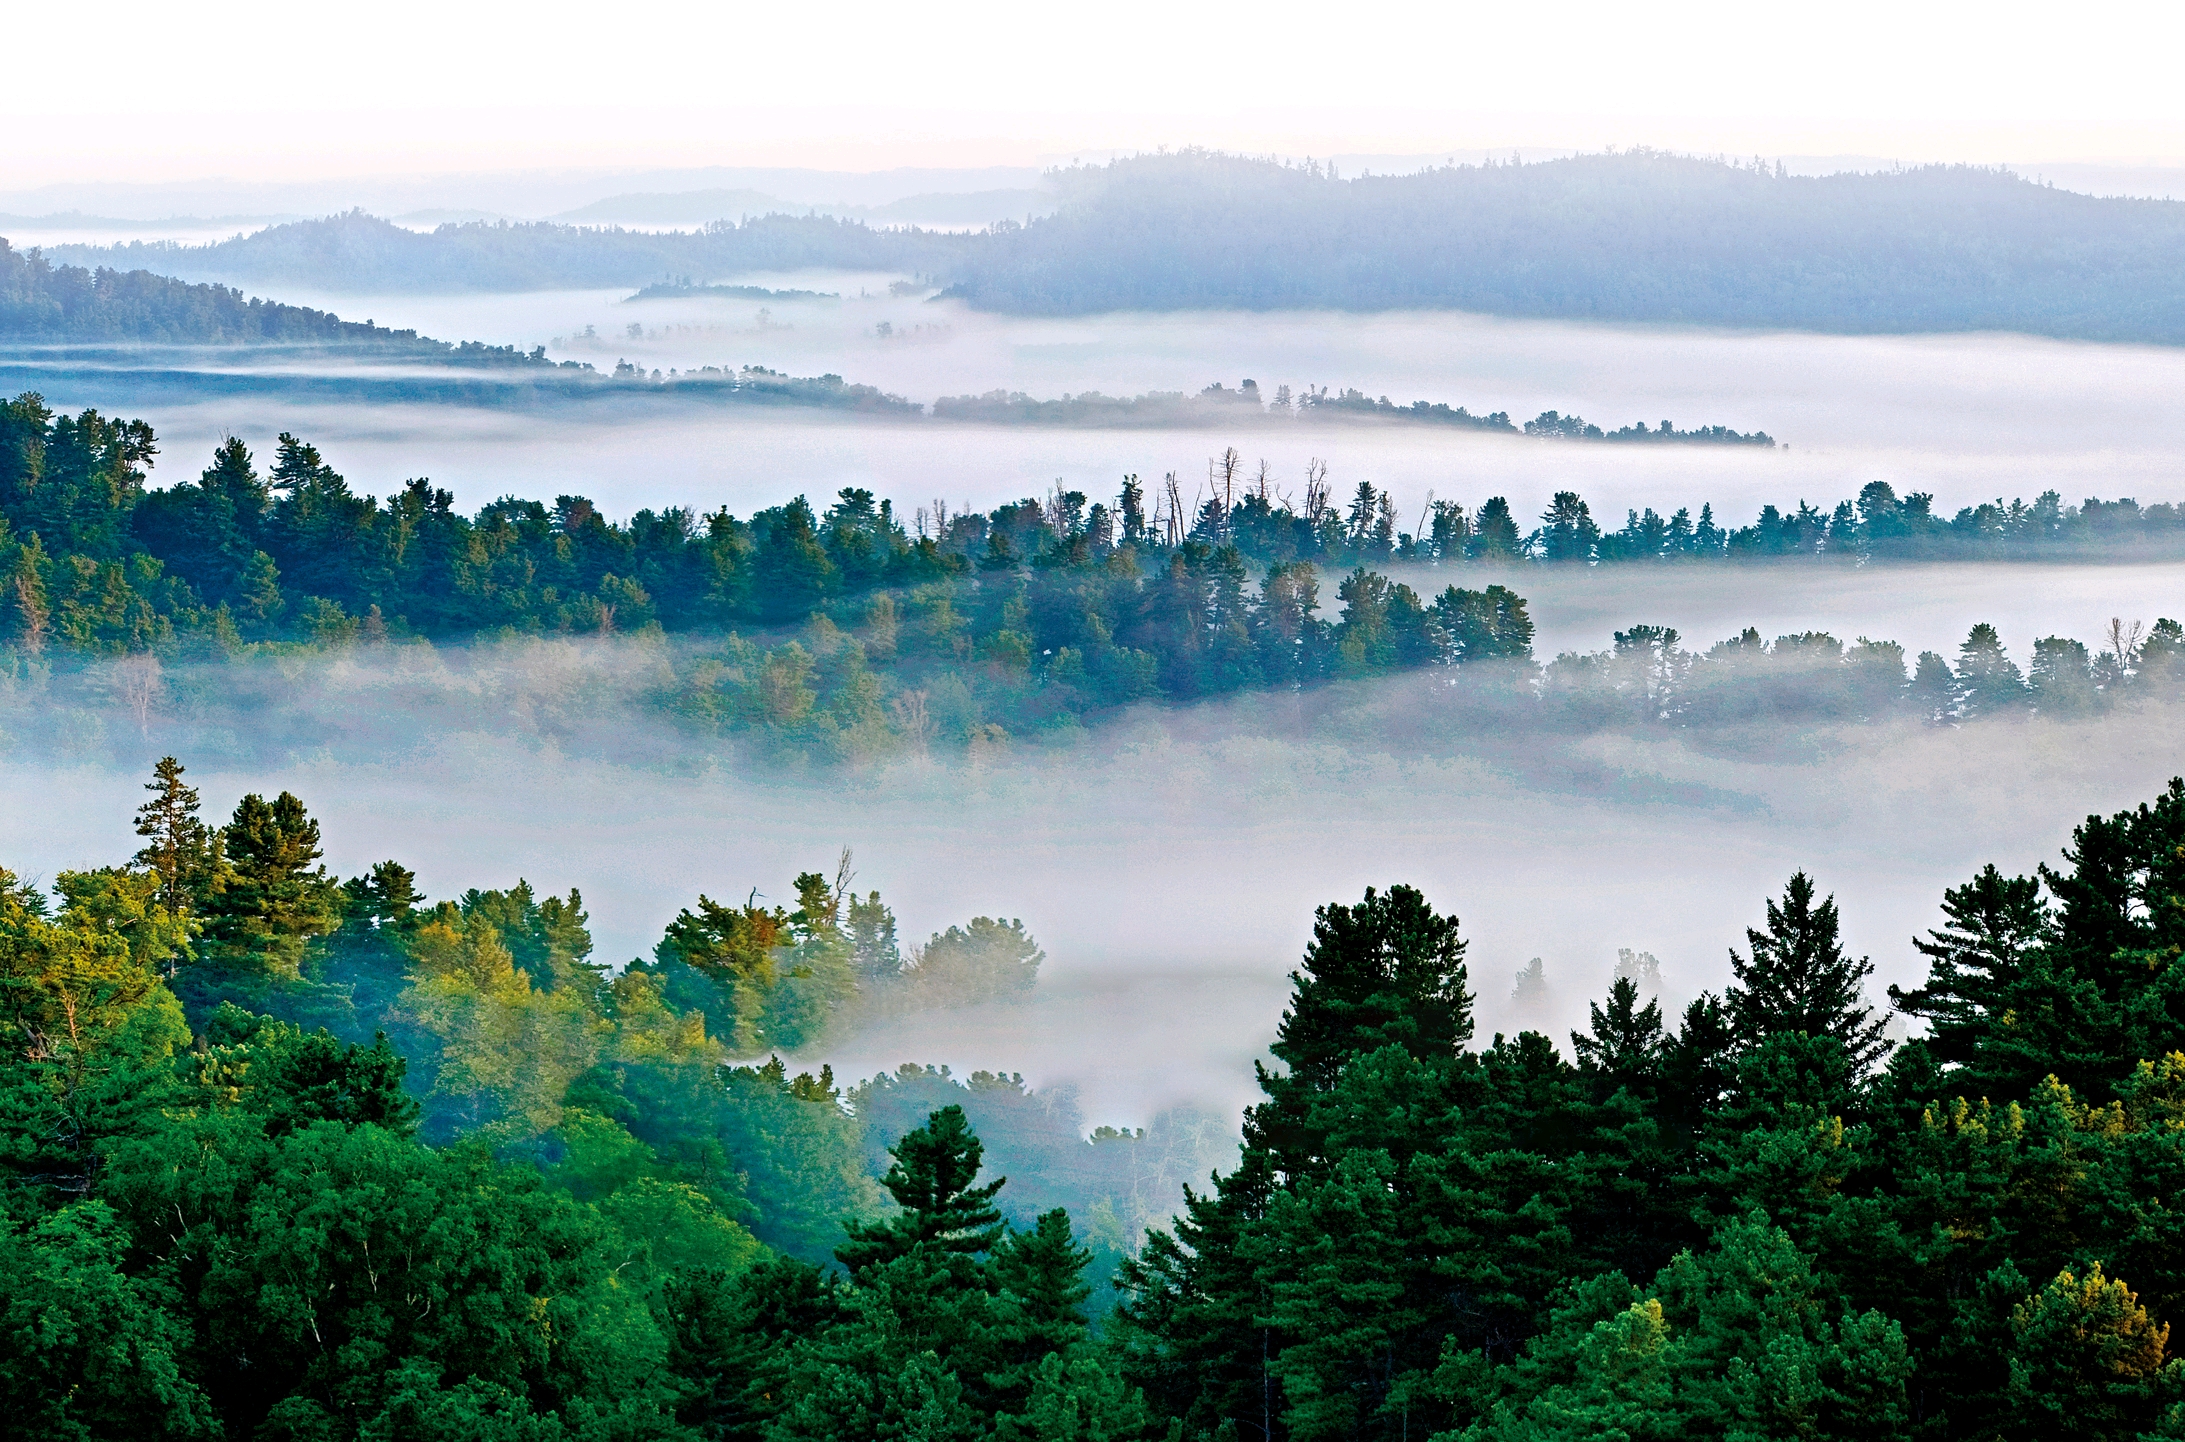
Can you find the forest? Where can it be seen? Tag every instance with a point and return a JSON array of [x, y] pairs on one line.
[[1631, 236], [285, 1155], [44, 302], [856, 632]]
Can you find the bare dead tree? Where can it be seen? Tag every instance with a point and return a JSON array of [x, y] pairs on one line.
[[1316, 489], [1222, 476], [1426, 510], [843, 877], [2123, 641], [1265, 480], [911, 717], [138, 682], [1175, 510]]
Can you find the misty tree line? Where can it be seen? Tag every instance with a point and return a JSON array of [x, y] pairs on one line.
[[540, 1200], [1218, 405], [857, 633], [509, 1027]]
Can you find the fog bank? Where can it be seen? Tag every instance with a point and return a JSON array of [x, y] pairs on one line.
[[1968, 418], [1170, 862]]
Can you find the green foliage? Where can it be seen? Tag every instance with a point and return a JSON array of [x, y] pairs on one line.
[[942, 1212], [539, 1202], [1798, 982], [269, 900]]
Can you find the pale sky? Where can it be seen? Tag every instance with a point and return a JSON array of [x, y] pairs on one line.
[[256, 90]]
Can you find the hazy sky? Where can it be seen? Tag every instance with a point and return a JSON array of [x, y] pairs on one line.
[[186, 91]]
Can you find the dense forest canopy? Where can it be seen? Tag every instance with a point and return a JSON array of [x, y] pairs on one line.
[[852, 631], [289, 1156], [1637, 236]]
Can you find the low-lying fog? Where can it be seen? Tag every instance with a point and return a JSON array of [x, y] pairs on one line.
[[1969, 418], [1170, 862]]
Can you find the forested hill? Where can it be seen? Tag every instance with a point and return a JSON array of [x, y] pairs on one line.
[[359, 252], [44, 302], [1633, 237], [1636, 236]]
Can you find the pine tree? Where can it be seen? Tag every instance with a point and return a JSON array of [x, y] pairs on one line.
[[1039, 1276], [179, 848], [1388, 971], [272, 900], [1798, 980], [1974, 961], [931, 1180]]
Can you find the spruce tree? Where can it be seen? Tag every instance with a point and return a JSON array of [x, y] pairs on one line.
[[1040, 1278], [1987, 679], [1799, 982], [1626, 1045], [931, 1180]]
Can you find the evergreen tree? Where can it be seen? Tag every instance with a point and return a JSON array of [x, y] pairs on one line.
[[1567, 531], [1388, 971], [1934, 689], [1988, 681], [1039, 1279], [1976, 961], [272, 900], [1626, 1045], [1799, 982], [1495, 537], [183, 852], [931, 1180]]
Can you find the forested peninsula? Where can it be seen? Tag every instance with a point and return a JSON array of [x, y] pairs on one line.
[[854, 632], [289, 1156], [1635, 236], [43, 302]]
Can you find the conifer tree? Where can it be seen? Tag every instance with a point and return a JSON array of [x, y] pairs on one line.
[[1988, 680], [931, 1180], [1798, 980], [1388, 971], [272, 900], [1626, 1044], [1975, 960], [1039, 1275], [180, 849]]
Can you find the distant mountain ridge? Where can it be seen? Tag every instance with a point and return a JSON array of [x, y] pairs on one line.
[[1637, 236]]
